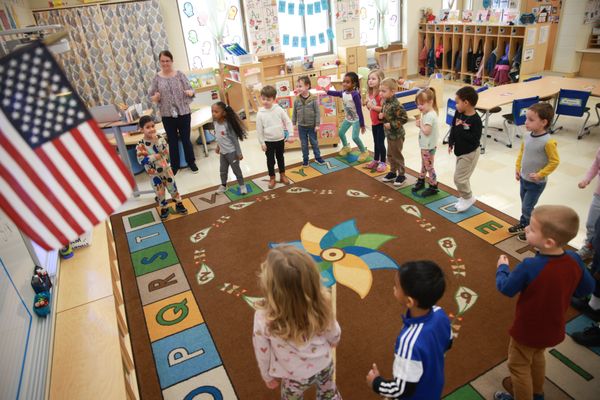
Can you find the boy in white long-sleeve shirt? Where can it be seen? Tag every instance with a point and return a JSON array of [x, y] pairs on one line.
[[271, 120]]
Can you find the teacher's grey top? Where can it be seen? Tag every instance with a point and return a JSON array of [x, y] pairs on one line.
[[173, 101]]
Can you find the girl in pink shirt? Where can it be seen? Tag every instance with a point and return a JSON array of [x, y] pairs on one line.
[[294, 327]]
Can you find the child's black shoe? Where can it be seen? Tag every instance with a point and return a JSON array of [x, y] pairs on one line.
[[419, 185], [180, 209], [432, 190], [390, 177], [164, 213]]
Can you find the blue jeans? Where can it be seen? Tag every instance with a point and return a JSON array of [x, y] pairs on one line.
[[307, 133], [530, 194]]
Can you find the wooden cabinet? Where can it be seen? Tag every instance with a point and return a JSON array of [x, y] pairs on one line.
[[458, 40], [353, 57], [393, 61], [242, 85], [273, 64]]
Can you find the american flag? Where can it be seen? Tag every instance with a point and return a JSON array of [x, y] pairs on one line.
[[59, 176]]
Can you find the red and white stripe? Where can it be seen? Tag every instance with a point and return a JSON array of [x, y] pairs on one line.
[[63, 188]]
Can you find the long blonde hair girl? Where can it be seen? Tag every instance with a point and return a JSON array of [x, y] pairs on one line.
[[297, 304], [425, 95], [380, 76]]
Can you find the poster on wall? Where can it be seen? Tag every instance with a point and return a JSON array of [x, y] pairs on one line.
[[346, 11], [197, 30], [592, 12], [263, 28]]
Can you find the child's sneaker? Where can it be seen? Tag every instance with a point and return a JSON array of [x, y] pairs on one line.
[[164, 213], [522, 237], [390, 177], [271, 182], [419, 185], [363, 156], [371, 165], [381, 167], [400, 179], [243, 190], [502, 396], [344, 151], [588, 337], [320, 161], [432, 190], [222, 189], [465, 204], [180, 209], [305, 163], [518, 228]]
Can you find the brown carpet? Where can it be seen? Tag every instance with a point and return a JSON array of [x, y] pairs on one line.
[[236, 244]]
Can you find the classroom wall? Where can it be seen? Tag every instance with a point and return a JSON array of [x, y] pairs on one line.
[[412, 18], [572, 35]]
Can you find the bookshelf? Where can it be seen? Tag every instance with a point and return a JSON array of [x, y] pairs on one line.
[[393, 61], [241, 84]]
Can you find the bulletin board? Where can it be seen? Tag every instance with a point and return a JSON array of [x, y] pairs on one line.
[[262, 26]]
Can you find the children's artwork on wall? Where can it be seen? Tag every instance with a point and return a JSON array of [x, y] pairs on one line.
[[323, 83], [510, 16], [495, 16], [444, 15], [348, 33], [328, 104], [481, 16], [345, 10], [263, 29], [283, 88], [285, 102], [327, 131], [467, 16], [454, 16]]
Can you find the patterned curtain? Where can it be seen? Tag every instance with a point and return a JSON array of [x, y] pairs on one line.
[[114, 49]]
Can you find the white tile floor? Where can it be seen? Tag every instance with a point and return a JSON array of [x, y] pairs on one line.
[[493, 181]]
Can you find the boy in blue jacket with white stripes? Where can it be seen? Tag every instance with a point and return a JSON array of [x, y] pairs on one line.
[[424, 339]]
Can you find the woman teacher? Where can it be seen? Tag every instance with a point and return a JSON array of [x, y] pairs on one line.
[[173, 93]]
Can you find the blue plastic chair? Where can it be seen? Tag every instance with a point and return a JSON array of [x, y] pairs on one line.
[[450, 112], [517, 117], [409, 105], [572, 103]]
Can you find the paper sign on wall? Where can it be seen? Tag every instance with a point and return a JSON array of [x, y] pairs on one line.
[[544, 32], [528, 55]]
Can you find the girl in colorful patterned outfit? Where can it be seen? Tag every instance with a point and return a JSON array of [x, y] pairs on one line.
[[294, 327], [428, 138], [153, 153]]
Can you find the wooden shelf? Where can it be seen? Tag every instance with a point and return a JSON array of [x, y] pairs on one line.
[[394, 59]]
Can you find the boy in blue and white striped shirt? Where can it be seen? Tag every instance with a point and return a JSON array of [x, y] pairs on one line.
[[424, 339]]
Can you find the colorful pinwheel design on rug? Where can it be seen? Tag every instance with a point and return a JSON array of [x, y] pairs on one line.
[[344, 255]]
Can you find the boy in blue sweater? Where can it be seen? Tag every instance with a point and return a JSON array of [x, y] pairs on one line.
[[424, 339]]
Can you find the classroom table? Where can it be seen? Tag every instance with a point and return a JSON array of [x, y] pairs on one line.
[[199, 118], [547, 86]]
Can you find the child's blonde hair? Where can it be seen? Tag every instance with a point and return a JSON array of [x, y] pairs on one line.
[[390, 83], [557, 222], [296, 303], [427, 94], [380, 76]]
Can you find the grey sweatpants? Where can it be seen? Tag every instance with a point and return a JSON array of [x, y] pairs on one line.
[[230, 160]]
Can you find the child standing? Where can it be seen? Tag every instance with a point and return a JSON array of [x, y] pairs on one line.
[[294, 328], [546, 283], [229, 130], [394, 117], [537, 158], [424, 338], [353, 114], [306, 114], [428, 139], [153, 153], [271, 120], [586, 251], [373, 103], [464, 139]]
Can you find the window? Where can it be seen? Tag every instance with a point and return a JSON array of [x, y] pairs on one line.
[[449, 4], [369, 22], [303, 27], [197, 29]]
